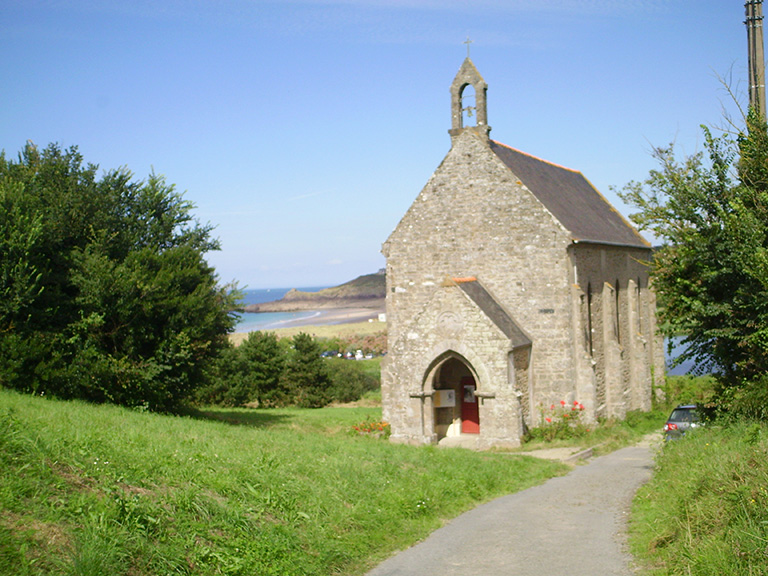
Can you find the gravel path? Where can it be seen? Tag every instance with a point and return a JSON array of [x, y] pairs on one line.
[[573, 525]]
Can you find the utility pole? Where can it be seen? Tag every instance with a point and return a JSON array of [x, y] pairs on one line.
[[754, 22]]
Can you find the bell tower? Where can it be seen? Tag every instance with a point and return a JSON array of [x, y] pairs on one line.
[[469, 76]]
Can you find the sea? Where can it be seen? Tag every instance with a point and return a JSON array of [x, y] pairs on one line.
[[253, 321]]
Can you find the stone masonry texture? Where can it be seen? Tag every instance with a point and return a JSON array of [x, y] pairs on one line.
[[585, 307]]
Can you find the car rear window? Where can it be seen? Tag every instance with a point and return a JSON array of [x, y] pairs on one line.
[[684, 415]]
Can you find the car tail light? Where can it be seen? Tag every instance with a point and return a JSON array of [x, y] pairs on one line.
[[670, 426]]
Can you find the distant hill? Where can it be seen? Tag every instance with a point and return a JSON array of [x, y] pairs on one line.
[[366, 291]]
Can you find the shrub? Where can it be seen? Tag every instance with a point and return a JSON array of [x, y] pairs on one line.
[[349, 380], [689, 389], [373, 428], [746, 402], [264, 361], [247, 373], [369, 344], [559, 422], [288, 372], [228, 383], [305, 379]]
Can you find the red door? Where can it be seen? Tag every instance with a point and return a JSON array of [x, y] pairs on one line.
[[470, 413]]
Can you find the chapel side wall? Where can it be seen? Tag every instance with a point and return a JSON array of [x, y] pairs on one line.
[[475, 218], [585, 383], [656, 356], [622, 323]]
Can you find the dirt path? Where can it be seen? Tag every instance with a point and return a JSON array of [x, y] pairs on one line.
[[573, 525]]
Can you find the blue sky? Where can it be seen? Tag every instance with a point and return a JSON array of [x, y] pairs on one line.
[[304, 129]]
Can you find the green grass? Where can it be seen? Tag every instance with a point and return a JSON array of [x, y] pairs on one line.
[[608, 435], [372, 366], [615, 434], [705, 512], [327, 331], [87, 490]]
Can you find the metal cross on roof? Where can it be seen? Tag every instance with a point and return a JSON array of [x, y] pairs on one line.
[[467, 42]]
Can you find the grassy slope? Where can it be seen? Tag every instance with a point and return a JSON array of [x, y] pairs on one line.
[[329, 331], [609, 435], [367, 291], [103, 490], [367, 286], [705, 512]]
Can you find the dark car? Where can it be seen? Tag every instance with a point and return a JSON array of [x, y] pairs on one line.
[[683, 418]]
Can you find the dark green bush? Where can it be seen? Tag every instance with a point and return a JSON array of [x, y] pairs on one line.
[[248, 373], [349, 380], [689, 389], [105, 293], [291, 372], [746, 402], [305, 378]]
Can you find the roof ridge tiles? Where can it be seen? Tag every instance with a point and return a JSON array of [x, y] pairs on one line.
[[536, 157]]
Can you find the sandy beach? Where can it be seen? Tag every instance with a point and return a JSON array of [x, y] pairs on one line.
[[330, 322], [332, 316]]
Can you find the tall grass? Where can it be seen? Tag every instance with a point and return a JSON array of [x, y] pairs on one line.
[[604, 436], [87, 490], [705, 512]]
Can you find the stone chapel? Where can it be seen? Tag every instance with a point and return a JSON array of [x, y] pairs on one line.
[[512, 285]]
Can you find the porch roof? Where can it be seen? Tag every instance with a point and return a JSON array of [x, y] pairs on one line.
[[491, 308]]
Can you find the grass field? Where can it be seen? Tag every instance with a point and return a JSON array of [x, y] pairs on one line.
[[705, 511], [329, 331], [609, 435], [100, 490]]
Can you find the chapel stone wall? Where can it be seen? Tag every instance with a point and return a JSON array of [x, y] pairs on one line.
[[587, 311], [619, 321], [450, 327], [475, 218]]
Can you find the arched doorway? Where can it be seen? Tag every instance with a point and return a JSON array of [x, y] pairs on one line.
[[456, 405]]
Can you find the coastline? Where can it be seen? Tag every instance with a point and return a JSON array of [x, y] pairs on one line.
[[321, 317], [328, 323], [330, 316]]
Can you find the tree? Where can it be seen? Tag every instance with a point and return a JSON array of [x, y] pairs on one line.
[[711, 270], [247, 373], [109, 294], [20, 244], [264, 360], [305, 378]]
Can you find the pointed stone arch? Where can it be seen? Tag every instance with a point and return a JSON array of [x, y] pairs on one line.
[[453, 380], [468, 106], [455, 349]]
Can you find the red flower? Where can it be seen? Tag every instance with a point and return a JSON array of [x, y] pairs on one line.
[[581, 406], [575, 402], [562, 402], [549, 419], [552, 407]]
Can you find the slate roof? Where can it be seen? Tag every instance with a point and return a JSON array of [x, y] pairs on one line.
[[494, 311], [570, 197]]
